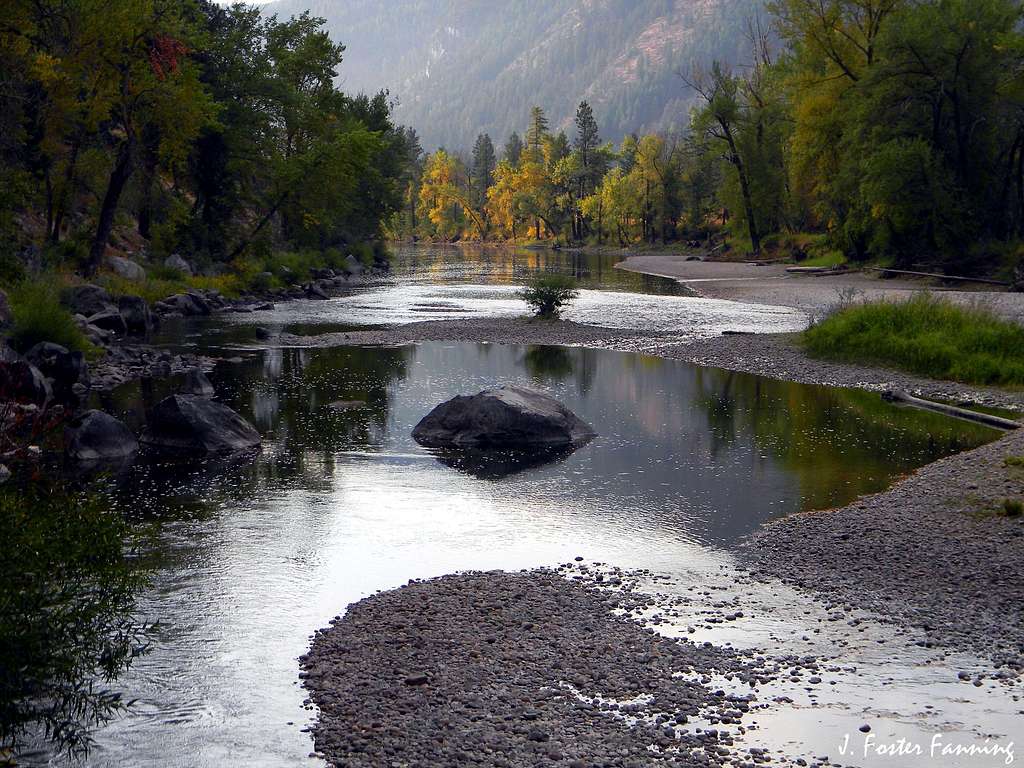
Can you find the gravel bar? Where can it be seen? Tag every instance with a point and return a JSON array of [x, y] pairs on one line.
[[523, 669]]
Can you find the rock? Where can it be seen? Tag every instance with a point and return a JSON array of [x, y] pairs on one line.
[[87, 300], [508, 417], [5, 474], [352, 265], [21, 381], [98, 436], [109, 320], [418, 679], [126, 268], [136, 314], [5, 311], [175, 261], [314, 291], [197, 384], [192, 424], [64, 368], [186, 304]]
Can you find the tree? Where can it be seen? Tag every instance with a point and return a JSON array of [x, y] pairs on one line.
[[513, 149], [537, 131], [482, 175], [719, 122]]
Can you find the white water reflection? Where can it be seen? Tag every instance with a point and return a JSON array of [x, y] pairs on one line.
[[687, 317]]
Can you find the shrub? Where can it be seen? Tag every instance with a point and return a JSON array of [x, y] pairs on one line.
[[548, 293], [68, 584], [925, 335], [38, 316], [1011, 507]]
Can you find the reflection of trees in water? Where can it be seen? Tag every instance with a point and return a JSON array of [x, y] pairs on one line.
[[515, 265], [839, 443], [546, 362], [68, 585]]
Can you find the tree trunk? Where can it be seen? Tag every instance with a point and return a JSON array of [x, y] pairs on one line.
[[748, 203], [259, 227], [118, 178]]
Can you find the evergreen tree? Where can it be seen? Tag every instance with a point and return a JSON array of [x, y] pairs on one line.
[[484, 163], [588, 136], [513, 149], [537, 131]]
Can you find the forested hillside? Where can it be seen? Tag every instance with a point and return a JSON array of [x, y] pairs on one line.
[[461, 67]]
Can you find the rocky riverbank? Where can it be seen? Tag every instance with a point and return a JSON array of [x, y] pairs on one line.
[[942, 551]]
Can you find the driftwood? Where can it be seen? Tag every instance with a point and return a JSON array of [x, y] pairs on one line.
[[952, 278], [898, 396], [816, 270]]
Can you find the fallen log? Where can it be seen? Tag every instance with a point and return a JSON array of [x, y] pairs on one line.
[[898, 396], [952, 278]]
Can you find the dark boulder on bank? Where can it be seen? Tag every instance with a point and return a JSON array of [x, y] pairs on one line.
[[191, 424], [508, 417], [88, 300], [138, 319], [20, 381], [65, 369], [98, 436], [187, 304]]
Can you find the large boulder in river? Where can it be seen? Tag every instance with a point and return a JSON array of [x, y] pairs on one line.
[[505, 418], [191, 424], [187, 304], [98, 436]]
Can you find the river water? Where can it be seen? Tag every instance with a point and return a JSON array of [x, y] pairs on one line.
[[255, 553]]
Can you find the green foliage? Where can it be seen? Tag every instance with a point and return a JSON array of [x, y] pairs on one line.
[[1014, 461], [68, 584], [925, 335], [1011, 507], [39, 316], [548, 293]]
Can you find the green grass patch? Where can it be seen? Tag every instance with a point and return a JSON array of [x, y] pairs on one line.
[[38, 316], [1011, 508], [1014, 461], [925, 335]]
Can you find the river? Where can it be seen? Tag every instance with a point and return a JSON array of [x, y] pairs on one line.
[[254, 554]]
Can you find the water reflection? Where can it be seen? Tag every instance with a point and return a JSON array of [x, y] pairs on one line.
[[257, 554]]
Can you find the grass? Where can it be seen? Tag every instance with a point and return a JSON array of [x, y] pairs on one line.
[[38, 316], [1011, 508], [925, 335], [1014, 461]]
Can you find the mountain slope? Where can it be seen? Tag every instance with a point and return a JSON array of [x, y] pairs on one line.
[[459, 67]]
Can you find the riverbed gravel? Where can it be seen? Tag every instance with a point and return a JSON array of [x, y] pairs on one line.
[[545, 667], [937, 552]]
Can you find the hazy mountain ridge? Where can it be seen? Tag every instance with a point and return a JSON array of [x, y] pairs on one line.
[[458, 67]]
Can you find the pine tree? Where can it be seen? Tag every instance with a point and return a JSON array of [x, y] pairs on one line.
[[484, 163], [587, 135], [513, 149], [537, 131]]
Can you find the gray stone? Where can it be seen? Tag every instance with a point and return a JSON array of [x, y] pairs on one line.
[[138, 319], [126, 268], [185, 304], [98, 436], [352, 265], [196, 383], [508, 417], [175, 261], [5, 474], [109, 320], [20, 381], [64, 368], [189, 424], [87, 300]]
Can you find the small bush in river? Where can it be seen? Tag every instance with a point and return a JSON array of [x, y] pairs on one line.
[[548, 293]]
